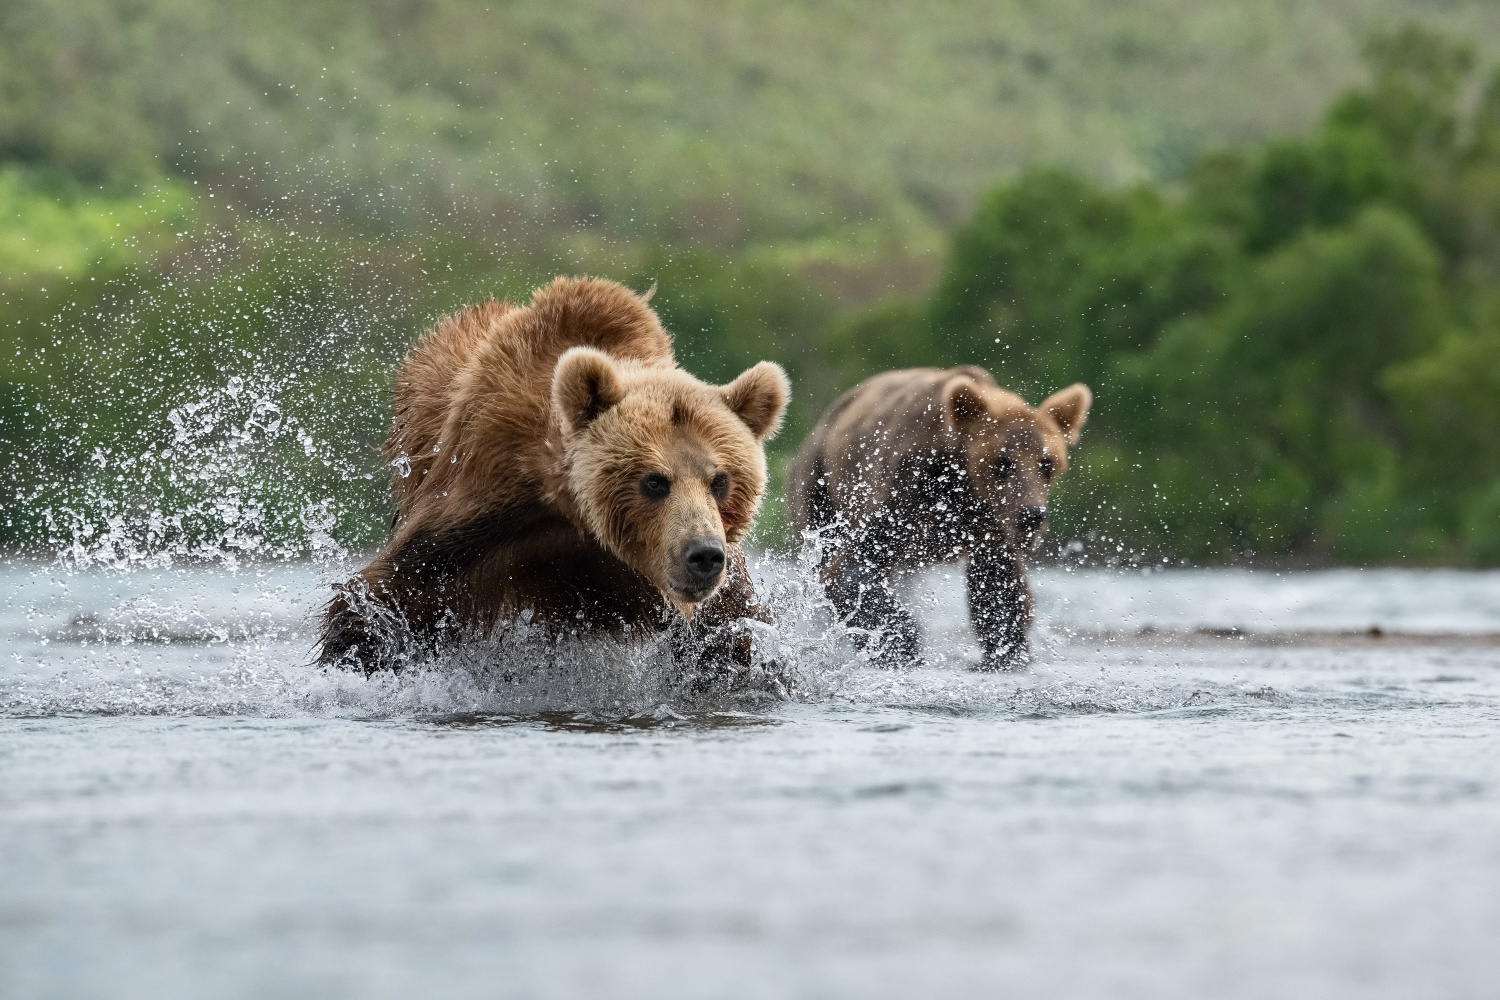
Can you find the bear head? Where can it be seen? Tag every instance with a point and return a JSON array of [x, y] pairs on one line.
[[664, 470], [1014, 452]]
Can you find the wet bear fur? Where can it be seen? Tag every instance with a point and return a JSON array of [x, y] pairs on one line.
[[521, 439], [924, 466]]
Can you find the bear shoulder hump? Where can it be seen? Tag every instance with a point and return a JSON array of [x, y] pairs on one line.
[[594, 312]]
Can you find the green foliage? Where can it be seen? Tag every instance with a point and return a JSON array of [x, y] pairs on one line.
[[1449, 398], [1054, 277], [221, 225], [1299, 355], [50, 228], [212, 416], [223, 393], [725, 315]]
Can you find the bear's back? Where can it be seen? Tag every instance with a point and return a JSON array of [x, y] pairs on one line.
[[891, 428], [424, 390], [485, 374]]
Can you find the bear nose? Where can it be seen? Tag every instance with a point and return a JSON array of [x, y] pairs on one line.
[[705, 561], [1032, 519]]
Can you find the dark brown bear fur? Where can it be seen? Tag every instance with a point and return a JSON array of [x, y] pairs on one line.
[[923, 466], [522, 440]]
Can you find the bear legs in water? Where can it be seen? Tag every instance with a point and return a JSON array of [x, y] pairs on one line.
[[863, 592], [860, 585], [1000, 607], [376, 626]]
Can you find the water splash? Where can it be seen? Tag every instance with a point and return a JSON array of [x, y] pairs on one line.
[[219, 640], [218, 473]]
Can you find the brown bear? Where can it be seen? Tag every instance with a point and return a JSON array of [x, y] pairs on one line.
[[924, 466], [553, 459]]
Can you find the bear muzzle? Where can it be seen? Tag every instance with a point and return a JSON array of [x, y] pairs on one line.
[[702, 568]]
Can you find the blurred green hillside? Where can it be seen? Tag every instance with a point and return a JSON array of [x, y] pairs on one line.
[[854, 131], [220, 225]]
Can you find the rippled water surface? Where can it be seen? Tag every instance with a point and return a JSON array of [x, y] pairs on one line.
[[1211, 783]]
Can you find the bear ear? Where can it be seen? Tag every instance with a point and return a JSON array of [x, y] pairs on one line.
[[964, 403], [1070, 408], [584, 385], [759, 397]]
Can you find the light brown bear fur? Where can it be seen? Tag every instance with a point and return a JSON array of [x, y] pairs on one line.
[[520, 440], [924, 466]]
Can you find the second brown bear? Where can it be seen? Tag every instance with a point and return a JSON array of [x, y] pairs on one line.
[[924, 466]]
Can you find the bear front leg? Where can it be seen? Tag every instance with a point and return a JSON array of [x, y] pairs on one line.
[[716, 649], [375, 623], [735, 598], [361, 626], [1000, 608], [715, 631], [403, 603], [859, 584]]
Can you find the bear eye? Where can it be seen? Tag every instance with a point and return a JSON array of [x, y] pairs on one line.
[[1048, 468], [655, 486], [719, 486], [1004, 465]]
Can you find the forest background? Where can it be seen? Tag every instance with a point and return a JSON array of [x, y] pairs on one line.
[[1266, 233]]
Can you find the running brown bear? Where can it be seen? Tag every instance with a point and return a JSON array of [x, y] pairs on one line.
[[924, 466], [553, 459]]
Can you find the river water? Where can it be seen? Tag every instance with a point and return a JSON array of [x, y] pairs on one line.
[[1211, 783]]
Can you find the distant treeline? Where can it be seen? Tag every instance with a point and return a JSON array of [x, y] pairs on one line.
[[1298, 354], [1295, 351]]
